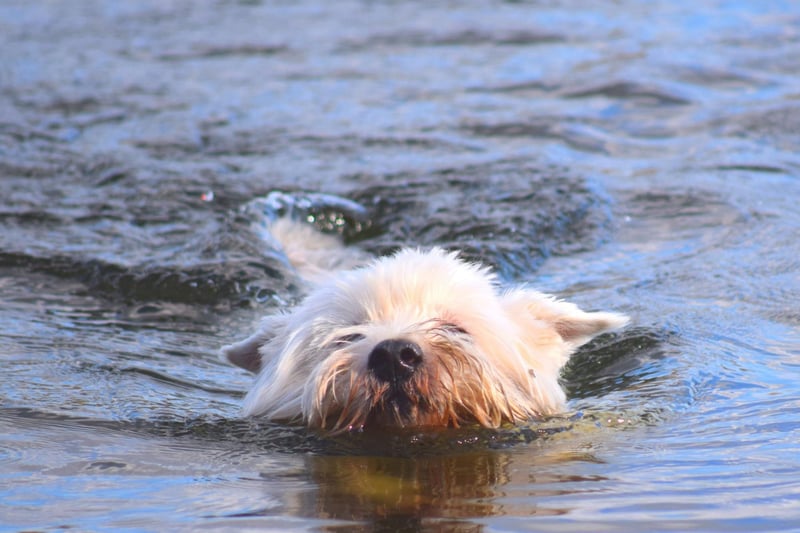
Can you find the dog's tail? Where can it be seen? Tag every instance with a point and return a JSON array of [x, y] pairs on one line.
[[313, 254], [287, 223]]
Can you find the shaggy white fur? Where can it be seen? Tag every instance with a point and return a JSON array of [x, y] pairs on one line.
[[420, 338]]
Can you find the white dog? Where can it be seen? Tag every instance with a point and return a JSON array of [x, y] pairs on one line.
[[420, 338]]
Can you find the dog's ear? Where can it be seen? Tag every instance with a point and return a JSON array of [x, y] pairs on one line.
[[247, 353], [579, 328], [574, 326]]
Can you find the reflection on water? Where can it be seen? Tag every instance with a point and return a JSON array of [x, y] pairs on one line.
[[641, 158], [400, 492]]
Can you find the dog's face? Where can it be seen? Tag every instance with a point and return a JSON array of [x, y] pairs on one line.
[[417, 339]]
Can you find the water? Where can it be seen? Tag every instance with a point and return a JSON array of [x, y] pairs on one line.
[[631, 156]]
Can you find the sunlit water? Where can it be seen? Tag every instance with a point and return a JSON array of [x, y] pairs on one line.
[[632, 156]]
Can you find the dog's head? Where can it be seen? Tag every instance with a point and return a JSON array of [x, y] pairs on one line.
[[416, 339]]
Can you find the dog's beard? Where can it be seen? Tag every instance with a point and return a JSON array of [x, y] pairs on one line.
[[452, 387]]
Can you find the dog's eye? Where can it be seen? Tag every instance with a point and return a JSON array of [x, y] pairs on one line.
[[349, 339], [453, 328]]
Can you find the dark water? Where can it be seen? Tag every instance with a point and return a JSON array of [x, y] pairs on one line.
[[634, 156]]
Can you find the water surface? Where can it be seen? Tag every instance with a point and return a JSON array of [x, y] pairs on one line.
[[631, 156]]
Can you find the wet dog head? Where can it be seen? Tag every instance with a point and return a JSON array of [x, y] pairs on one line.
[[417, 339]]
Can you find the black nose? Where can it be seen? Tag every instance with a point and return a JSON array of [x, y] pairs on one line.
[[394, 360]]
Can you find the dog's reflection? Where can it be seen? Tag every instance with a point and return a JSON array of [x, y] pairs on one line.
[[445, 493]]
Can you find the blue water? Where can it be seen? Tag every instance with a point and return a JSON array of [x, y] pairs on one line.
[[642, 157]]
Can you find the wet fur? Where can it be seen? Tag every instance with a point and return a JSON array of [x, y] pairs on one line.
[[491, 356]]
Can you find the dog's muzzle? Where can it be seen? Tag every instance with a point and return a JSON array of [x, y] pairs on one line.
[[394, 360]]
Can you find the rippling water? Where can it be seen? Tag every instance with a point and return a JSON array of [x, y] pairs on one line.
[[632, 156]]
